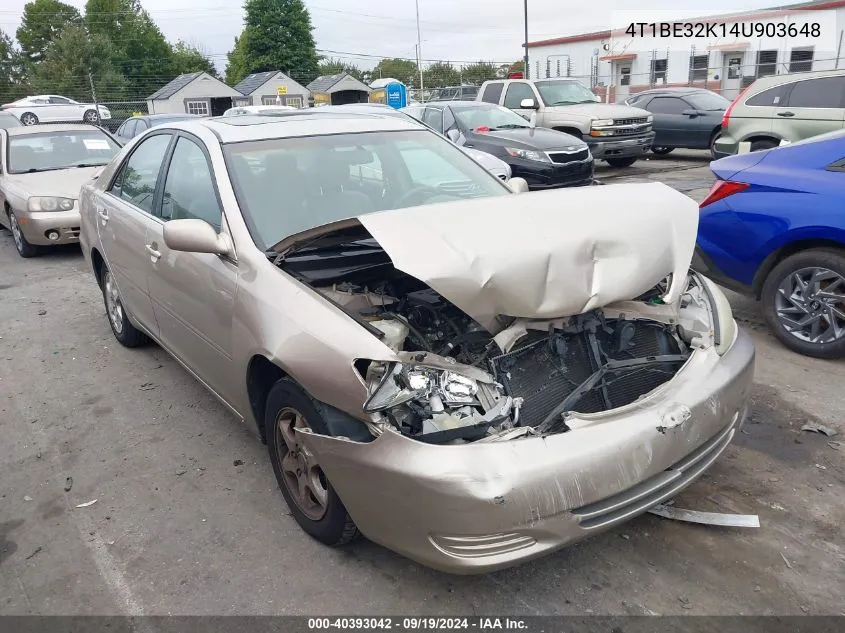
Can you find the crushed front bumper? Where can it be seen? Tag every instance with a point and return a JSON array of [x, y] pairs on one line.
[[479, 507], [621, 148], [36, 226]]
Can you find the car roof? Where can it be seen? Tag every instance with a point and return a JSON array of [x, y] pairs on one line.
[[42, 128], [776, 80], [295, 123], [172, 115], [676, 90], [460, 102]]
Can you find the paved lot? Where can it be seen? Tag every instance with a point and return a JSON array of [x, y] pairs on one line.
[[177, 528]]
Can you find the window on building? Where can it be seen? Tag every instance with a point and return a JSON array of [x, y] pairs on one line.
[[767, 62], [296, 102], [197, 107], [698, 67], [801, 60], [658, 70], [625, 76], [558, 68], [537, 76], [825, 92], [268, 100]]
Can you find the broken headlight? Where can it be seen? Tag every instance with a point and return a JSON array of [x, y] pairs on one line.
[[439, 387]]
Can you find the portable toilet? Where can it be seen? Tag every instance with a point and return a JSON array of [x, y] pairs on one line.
[[390, 92]]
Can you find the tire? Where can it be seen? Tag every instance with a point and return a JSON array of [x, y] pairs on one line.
[[715, 137], [125, 333], [621, 162], [662, 151], [804, 304], [321, 515], [759, 146], [28, 118], [24, 248], [90, 116]]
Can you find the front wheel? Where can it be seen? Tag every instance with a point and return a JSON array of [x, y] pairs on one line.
[[622, 162], [28, 118], [312, 501], [125, 333], [804, 303], [24, 248]]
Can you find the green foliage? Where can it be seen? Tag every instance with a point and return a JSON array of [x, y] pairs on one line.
[[12, 84], [277, 35], [41, 23], [479, 72], [189, 59], [236, 67], [404, 70], [337, 66], [68, 60], [441, 74]]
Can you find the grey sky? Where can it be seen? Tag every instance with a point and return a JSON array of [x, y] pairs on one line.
[[465, 30]]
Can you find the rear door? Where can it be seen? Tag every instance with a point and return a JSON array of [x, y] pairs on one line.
[[124, 214], [814, 106], [756, 114], [193, 294]]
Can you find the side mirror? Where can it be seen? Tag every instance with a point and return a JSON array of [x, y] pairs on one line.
[[195, 236], [528, 104], [690, 113], [518, 185], [454, 136]]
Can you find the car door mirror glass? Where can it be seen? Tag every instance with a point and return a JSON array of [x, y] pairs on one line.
[[195, 236], [528, 103]]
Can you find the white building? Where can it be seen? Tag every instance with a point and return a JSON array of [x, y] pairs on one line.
[[194, 93], [615, 64], [272, 88]]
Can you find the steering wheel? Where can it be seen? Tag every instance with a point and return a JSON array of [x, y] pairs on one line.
[[412, 195]]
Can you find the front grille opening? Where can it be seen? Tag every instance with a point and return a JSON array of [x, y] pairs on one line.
[[593, 365]]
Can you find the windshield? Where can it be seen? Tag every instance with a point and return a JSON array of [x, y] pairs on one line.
[[488, 116], [564, 93], [285, 186], [48, 151], [708, 101]]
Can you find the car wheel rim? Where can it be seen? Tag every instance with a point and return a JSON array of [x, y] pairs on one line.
[[303, 477], [90, 117], [810, 305], [28, 119], [113, 305], [16, 233]]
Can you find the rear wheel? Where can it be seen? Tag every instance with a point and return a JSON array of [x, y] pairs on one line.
[[24, 248], [90, 116], [312, 501], [662, 151], [804, 303], [759, 146], [621, 162], [28, 118], [125, 333]]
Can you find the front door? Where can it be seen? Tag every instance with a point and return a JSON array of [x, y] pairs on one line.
[[124, 213], [193, 294], [732, 75], [622, 79], [516, 93]]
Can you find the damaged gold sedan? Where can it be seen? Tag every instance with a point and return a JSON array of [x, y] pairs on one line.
[[467, 376]]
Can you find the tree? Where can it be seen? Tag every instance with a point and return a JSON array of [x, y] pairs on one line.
[[236, 61], [42, 22], [337, 66], [479, 72], [12, 85], [189, 59], [441, 74], [68, 61], [404, 70], [277, 35]]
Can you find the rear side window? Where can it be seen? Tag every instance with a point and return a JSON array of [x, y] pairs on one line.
[[771, 97], [129, 128], [433, 117], [492, 92], [136, 182], [826, 92]]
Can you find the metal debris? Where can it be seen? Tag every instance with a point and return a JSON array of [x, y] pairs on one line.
[[813, 427], [86, 504], [786, 560], [708, 518]]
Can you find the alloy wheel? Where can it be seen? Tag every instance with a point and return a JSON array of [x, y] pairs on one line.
[[29, 119], [113, 305], [16, 232], [810, 305], [303, 477], [90, 117]]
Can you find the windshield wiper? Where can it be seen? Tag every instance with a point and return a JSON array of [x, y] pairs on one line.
[[90, 165], [36, 170], [567, 102], [511, 126]]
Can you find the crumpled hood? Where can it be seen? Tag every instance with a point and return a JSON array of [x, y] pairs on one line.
[[602, 110], [544, 254], [63, 183]]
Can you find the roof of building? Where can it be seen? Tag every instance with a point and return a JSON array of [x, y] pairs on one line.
[[814, 5], [326, 82], [254, 81], [172, 87]]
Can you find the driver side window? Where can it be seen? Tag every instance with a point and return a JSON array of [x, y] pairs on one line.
[[516, 93]]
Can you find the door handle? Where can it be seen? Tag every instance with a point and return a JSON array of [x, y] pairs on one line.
[[104, 215], [786, 114], [153, 253]]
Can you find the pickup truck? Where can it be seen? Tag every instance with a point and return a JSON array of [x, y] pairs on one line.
[[618, 134]]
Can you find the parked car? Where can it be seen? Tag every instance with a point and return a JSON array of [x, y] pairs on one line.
[[784, 108], [618, 134], [688, 118], [55, 109], [495, 166], [773, 228], [454, 93], [133, 126], [258, 109], [42, 170], [418, 347], [8, 120], [546, 159]]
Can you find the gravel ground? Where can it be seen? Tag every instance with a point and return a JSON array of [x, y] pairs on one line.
[[178, 528]]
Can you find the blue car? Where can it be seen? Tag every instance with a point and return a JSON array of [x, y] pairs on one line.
[[773, 227]]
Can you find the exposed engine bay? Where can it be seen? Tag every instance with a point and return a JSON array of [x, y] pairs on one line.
[[459, 382]]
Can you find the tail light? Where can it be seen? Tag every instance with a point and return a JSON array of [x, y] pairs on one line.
[[722, 189], [726, 117]]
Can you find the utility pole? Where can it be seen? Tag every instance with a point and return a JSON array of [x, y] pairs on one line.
[[525, 59], [94, 96], [419, 52]]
